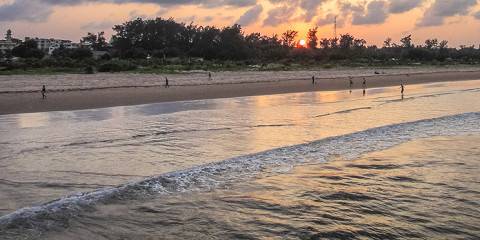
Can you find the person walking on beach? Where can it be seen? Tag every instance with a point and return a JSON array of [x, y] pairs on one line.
[[44, 91], [350, 83], [166, 83], [313, 80]]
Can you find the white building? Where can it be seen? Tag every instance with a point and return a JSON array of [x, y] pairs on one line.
[[9, 43], [48, 45], [55, 46]]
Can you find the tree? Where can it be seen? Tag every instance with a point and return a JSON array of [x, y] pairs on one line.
[[312, 38], [76, 53], [334, 42], [387, 43], [288, 38], [96, 41], [431, 43], [28, 49], [407, 41], [81, 53], [359, 43], [232, 43], [443, 44], [325, 43], [346, 41]]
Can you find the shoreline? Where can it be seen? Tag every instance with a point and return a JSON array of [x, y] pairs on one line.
[[12, 102]]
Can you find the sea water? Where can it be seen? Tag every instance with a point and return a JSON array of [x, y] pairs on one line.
[[309, 165]]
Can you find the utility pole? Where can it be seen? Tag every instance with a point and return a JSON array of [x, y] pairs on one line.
[[335, 27]]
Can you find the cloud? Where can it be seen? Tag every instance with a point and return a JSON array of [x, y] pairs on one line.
[[401, 6], [435, 15], [311, 8], [207, 19], [208, 3], [24, 10], [329, 18], [40, 10], [279, 15], [98, 26], [375, 13], [134, 14], [250, 16]]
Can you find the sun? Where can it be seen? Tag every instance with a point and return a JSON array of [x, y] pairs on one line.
[[302, 42]]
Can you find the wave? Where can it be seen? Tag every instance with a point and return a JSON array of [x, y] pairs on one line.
[[213, 175], [428, 96], [343, 111]]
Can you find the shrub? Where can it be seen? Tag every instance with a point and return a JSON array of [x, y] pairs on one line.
[[116, 66]]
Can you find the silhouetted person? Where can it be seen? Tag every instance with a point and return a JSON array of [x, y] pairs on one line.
[[209, 76], [351, 83], [313, 80], [402, 87], [166, 83], [364, 92], [364, 83], [44, 91]]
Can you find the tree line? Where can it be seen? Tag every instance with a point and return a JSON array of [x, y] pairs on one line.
[[162, 39]]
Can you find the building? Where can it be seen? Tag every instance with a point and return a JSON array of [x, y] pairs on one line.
[[56, 45], [9, 42], [48, 45]]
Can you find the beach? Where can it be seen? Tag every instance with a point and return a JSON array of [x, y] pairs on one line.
[[21, 94]]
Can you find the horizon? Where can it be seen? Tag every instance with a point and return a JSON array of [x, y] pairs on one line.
[[374, 21]]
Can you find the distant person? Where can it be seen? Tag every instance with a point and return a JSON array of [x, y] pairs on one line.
[[166, 83], [402, 87], [44, 91], [350, 82], [364, 92], [364, 83], [313, 80], [209, 76]]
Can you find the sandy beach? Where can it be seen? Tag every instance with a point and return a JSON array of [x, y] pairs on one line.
[[18, 94]]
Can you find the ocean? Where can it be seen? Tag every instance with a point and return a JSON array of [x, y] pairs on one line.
[[320, 165]]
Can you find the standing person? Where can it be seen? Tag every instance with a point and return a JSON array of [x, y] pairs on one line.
[[166, 83], [350, 83], [402, 87], [313, 80], [364, 84], [44, 91], [209, 76]]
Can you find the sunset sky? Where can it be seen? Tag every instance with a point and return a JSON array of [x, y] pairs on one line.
[[457, 21]]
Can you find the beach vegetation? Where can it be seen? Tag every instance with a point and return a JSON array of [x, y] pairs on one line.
[[164, 45]]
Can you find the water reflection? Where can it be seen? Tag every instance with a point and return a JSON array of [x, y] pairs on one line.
[[32, 120]]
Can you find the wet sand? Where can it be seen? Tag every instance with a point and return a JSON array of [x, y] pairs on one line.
[[63, 99]]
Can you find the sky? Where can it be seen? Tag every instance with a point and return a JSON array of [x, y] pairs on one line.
[[457, 21]]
